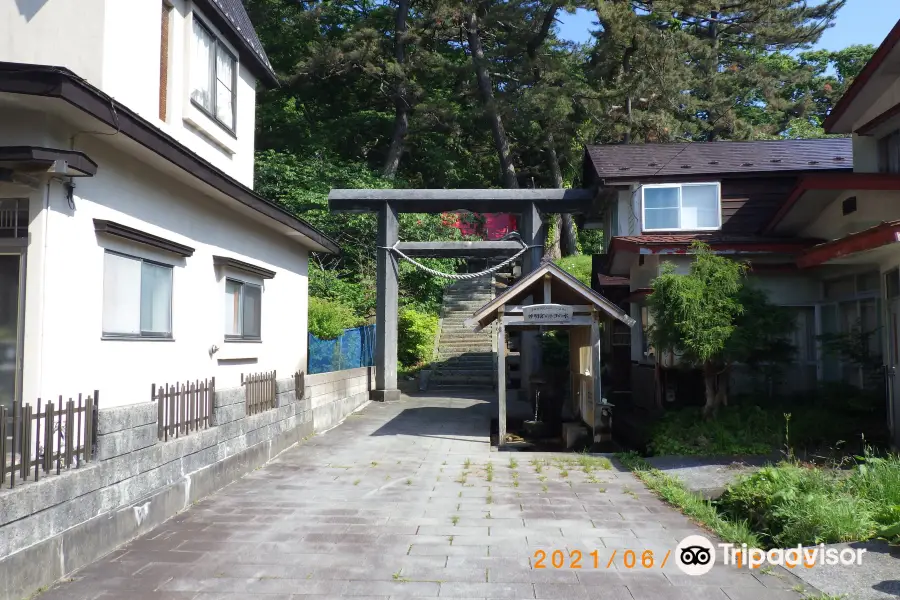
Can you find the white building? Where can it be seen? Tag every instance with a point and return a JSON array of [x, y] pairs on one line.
[[132, 248]]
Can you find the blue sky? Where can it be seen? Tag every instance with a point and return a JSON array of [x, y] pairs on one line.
[[859, 22]]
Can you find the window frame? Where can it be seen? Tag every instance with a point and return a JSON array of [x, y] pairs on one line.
[[219, 45], [243, 337], [148, 335], [679, 187]]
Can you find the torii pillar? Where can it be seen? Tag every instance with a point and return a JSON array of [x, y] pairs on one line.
[[531, 229], [388, 288]]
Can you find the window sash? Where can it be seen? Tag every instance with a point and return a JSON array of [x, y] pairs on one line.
[[137, 297], [243, 310], [219, 76], [679, 208]]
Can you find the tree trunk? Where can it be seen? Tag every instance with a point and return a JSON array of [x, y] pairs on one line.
[[486, 91], [401, 103], [713, 397], [563, 243], [569, 236]]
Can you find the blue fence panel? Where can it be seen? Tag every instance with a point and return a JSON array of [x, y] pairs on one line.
[[352, 349]]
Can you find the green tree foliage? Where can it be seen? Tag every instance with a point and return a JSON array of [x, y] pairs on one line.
[[415, 336], [661, 70], [329, 318], [446, 93], [709, 319]]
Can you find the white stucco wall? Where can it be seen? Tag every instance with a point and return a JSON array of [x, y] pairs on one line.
[[63, 349], [55, 32], [115, 46]]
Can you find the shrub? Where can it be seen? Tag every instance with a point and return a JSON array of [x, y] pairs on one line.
[[736, 430], [415, 336], [329, 318]]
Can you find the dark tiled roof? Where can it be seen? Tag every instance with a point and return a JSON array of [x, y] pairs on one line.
[[233, 13], [659, 161]]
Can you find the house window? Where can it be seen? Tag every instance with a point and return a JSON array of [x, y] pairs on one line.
[[213, 72], [243, 315], [685, 207], [137, 297], [889, 153]]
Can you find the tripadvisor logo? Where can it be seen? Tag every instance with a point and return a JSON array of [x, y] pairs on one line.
[[696, 555]]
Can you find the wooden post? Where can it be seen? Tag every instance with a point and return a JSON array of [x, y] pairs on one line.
[[595, 369], [547, 297], [501, 379]]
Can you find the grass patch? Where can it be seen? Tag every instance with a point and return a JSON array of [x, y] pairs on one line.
[[589, 463], [356, 482], [467, 463], [513, 463], [795, 503], [490, 471], [454, 519], [675, 493]]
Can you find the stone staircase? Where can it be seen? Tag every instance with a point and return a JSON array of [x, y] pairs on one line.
[[465, 361]]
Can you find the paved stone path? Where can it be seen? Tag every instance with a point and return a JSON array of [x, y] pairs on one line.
[[406, 500]]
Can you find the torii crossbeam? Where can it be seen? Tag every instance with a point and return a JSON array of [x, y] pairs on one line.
[[528, 203]]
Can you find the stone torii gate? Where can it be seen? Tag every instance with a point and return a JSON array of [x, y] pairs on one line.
[[527, 203]]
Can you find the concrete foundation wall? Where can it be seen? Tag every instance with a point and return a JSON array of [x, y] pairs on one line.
[[61, 523]]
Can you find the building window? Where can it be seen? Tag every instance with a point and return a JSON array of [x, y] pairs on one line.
[[243, 314], [213, 76], [680, 207], [137, 297], [889, 153]]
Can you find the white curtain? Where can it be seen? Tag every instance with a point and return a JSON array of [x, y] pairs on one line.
[[233, 324], [156, 299], [121, 294], [224, 84], [203, 67], [252, 313]]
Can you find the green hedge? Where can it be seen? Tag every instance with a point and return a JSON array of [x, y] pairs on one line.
[[415, 337], [328, 318]]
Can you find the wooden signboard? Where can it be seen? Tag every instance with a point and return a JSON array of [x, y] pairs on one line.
[[547, 314]]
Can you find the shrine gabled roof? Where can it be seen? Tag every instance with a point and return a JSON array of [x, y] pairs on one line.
[[565, 289]]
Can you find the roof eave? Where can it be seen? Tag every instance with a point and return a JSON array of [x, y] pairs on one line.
[[257, 65], [62, 84], [833, 181], [882, 234], [834, 121]]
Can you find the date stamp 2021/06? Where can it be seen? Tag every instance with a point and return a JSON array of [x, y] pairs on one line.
[[576, 559]]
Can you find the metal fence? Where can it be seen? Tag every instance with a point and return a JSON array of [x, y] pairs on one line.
[[45, 438], [183, 408], [259, 391], [352, 349]]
